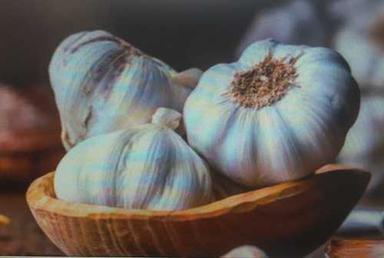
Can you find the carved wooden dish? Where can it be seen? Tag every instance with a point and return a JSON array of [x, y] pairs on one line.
[[289, 219]]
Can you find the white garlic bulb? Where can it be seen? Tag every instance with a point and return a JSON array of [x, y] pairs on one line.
[[361, 42], [279, 113], [143, 167], [294, 22], [102, 84], [245, 251]]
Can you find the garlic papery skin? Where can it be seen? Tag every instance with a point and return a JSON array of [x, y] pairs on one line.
[[144, 167], [278, 114], [102, 84]]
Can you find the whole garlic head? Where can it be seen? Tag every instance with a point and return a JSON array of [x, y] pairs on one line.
[[277, 114], [144, 167], [102, 84]]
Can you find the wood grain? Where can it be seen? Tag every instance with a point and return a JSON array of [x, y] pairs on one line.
[[289, 219], [355, 248]]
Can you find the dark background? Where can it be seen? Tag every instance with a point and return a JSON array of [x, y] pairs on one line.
[[182, 33]]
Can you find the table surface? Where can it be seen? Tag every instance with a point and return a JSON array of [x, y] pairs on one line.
[[22, 236]]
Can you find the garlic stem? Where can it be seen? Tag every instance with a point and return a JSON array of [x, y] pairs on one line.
[[188, 78], [167, 117]]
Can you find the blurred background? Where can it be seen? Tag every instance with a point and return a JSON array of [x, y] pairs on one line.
[[183, 34]]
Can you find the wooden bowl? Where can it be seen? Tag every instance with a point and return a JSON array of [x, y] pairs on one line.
[[289, 219]]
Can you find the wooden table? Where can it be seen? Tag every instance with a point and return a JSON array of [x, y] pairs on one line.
[[22, 236]]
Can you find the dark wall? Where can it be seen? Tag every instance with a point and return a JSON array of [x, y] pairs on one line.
[[180, 32]]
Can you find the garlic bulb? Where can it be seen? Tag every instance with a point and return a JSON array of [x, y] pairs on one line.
[[143, 167], [245, 251], [361, 42], [294, 22], [102, 84], [277, 114]]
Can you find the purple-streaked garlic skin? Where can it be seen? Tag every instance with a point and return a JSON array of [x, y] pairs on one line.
[[102, 84], [143, 167]]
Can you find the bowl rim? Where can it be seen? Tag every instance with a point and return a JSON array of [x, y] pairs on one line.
[[40, 196]]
